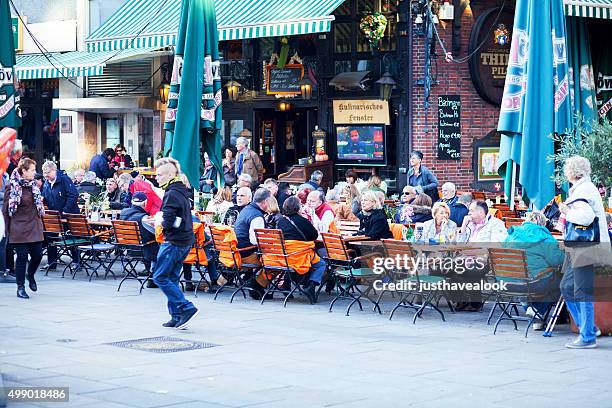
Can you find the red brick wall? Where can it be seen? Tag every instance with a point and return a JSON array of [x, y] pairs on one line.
[[477, 116]]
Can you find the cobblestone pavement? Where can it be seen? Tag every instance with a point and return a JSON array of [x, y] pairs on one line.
[[269, 356]]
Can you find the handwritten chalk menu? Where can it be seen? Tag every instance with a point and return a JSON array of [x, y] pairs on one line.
[[284, 80], [449, 127]]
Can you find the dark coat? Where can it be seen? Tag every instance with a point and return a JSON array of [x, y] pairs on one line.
[[99, 165], [124, 200], [176, 204], [135, 213], [89, 188], [458, 210], [288, 226], [374, 225], [210, 174], [62, 196], [426, 180], [25, 225]]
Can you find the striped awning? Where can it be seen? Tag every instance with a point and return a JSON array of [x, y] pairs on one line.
[[589, 8], [73, 64], [154, 23]]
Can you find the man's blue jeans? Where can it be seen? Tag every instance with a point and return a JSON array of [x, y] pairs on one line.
[[317, 270], [166, 275], [577, 289]]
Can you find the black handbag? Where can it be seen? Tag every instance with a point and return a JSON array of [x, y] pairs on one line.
[[581, 235]]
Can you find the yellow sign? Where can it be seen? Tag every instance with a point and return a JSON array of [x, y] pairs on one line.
[[17, 32], [363, 111]]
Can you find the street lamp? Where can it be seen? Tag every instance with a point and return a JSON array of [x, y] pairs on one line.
[[386, 83], [164, 86], [306, 88], [233, 89]]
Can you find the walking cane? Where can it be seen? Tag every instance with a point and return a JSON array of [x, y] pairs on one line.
[[553, 319]]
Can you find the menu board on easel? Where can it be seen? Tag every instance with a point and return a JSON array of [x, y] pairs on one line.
[[449, 127], [267, 149]]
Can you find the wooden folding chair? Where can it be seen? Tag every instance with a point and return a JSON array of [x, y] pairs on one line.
[[348, 273], [409, 298], [271, 249], [511, 221], [346, 227], [91, 249], [197, 257], [131, 251], [229, 264], [511, 264], [55, 234]]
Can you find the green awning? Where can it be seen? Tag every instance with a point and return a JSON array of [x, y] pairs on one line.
[[154, 23], [589, 8], [73, 64]]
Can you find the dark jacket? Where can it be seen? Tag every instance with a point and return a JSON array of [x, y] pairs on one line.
[[458, 210], [374, 225], [124, 200], [314, 185], [426, 180], [229, 174], [210, 174], [308, 231], [90, 188], [282, 196], [25, 225], [99, 165], [243, 225], [176, 204], [62, 196], [135, 213]]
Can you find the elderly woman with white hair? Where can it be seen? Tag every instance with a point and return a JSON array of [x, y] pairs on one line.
[[543, 261], [583, 207], [441, 226]]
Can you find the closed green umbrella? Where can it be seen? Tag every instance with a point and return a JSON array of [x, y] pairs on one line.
[[582, 84], [10, 115], [193, 117], [536, 99]]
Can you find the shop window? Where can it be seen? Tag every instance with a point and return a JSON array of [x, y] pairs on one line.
[[366, 6], [233, 50], [145, 139], [389, 42], [266, 47], [364, 65], [342, 66], [235, 127], [343, 38]]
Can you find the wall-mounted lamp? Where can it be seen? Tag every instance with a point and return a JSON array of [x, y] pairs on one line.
[[306, 86], [387, 84], [233, 90], [164, 86], [283, 106]]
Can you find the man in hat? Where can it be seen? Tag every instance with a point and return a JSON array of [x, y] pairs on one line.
[[136, 212]]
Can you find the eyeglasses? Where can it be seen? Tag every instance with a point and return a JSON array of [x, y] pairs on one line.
[[405, 193]]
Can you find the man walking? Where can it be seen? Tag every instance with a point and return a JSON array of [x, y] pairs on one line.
[[178, 240]]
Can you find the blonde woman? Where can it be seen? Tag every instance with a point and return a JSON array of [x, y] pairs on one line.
[[441, 225], [272, 213], [221, 203], [373, 223], [347, 210]]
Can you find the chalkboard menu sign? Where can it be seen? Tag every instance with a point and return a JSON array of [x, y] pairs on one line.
[[449, 127], [284, 81]]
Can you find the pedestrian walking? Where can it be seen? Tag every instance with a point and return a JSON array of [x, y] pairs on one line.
[[179, 238], [22, 210]]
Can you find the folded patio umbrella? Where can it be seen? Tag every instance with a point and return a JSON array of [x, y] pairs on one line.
[[536, 100], [193, 118], [10, 115]]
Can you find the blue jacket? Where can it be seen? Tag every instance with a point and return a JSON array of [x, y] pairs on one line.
[[63, 196], [458, 210], [426, 180], [99, 165], [541, 256]]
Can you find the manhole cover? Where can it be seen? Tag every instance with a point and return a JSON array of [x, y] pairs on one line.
[[162, 344]]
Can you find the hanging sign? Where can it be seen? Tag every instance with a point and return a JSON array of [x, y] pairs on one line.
[[368, 111], [449, 127], [490, 49]]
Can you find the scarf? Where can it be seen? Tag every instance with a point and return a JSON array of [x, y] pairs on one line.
[[324, 207], [17, 184], [172, 180], [240, 161]]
